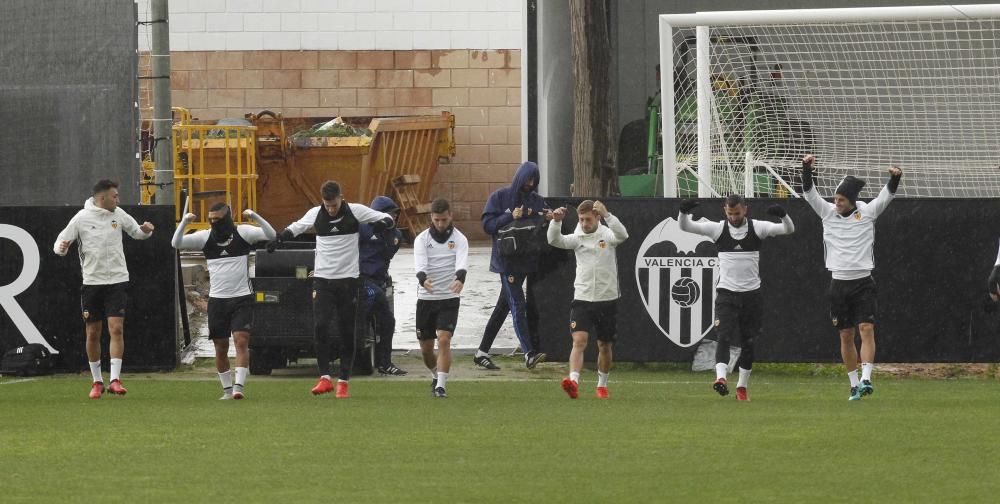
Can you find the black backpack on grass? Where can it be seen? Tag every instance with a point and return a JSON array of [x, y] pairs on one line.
[[32, 359]]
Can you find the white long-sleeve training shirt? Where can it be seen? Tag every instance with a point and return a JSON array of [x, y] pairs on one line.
[[849, 242], [596, 263], [440, 261], [229, 274], [99, 233], [738, 271], [337, 252]]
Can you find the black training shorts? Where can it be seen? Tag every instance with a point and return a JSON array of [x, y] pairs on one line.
[[228, 315], [98, 302], [853, 302], [595, 318], [436, 315]]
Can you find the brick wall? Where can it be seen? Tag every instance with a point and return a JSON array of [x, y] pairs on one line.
[[481, 87]]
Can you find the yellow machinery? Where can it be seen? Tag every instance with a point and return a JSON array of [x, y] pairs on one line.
[[364, 166], [215, 162], [262, 166]]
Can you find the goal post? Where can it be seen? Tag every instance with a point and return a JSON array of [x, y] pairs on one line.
[[747, 93]]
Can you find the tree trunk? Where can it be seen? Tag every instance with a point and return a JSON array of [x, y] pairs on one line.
[[594, 152]]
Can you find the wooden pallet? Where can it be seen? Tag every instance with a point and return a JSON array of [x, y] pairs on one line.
[[414, 216]]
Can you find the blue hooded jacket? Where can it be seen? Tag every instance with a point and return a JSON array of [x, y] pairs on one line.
[[498, 213], [377, 249]]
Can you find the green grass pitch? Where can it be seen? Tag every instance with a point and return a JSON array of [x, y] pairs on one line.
[[664, 436]]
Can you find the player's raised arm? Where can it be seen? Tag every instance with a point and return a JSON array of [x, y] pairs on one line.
[[767, 229], [886, 195], [255, 234], [809, 193], [554, 233], [709, 229], [618, 231], [195, 241]]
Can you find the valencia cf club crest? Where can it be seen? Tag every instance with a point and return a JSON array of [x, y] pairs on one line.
[[676, 273], [114, 224], [451, 245], [510, 279], [602, 244], [86, 315]]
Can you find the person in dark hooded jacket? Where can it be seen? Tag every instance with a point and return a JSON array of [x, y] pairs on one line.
[[377, 250], [519, 201]]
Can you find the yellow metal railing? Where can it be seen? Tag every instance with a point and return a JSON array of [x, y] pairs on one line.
[[214, 163]]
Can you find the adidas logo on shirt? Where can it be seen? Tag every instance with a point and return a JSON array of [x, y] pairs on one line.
[[224, 253], [738, 247]]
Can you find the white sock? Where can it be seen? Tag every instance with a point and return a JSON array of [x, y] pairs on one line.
[[226, 377], [95, 371], [853, 375], [720, 370], [866, 370], [341, 381], [480, 353], [744, 378], [116, 369], [574, 376], [328, 377], [442, 379], [602, 379], [241, 376]]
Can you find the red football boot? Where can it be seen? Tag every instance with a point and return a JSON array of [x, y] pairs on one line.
[[323, 386], [116, 388], [602, 393], [96, 390], [571, 388], [342, 392], [741, 394]]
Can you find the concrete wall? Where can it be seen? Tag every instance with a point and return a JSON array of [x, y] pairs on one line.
[[285, 25]]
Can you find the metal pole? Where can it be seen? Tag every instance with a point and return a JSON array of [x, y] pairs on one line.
[[162, 117], [668, 166], [704, 86]]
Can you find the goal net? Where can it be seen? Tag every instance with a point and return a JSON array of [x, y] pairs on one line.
[[862, 89]]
